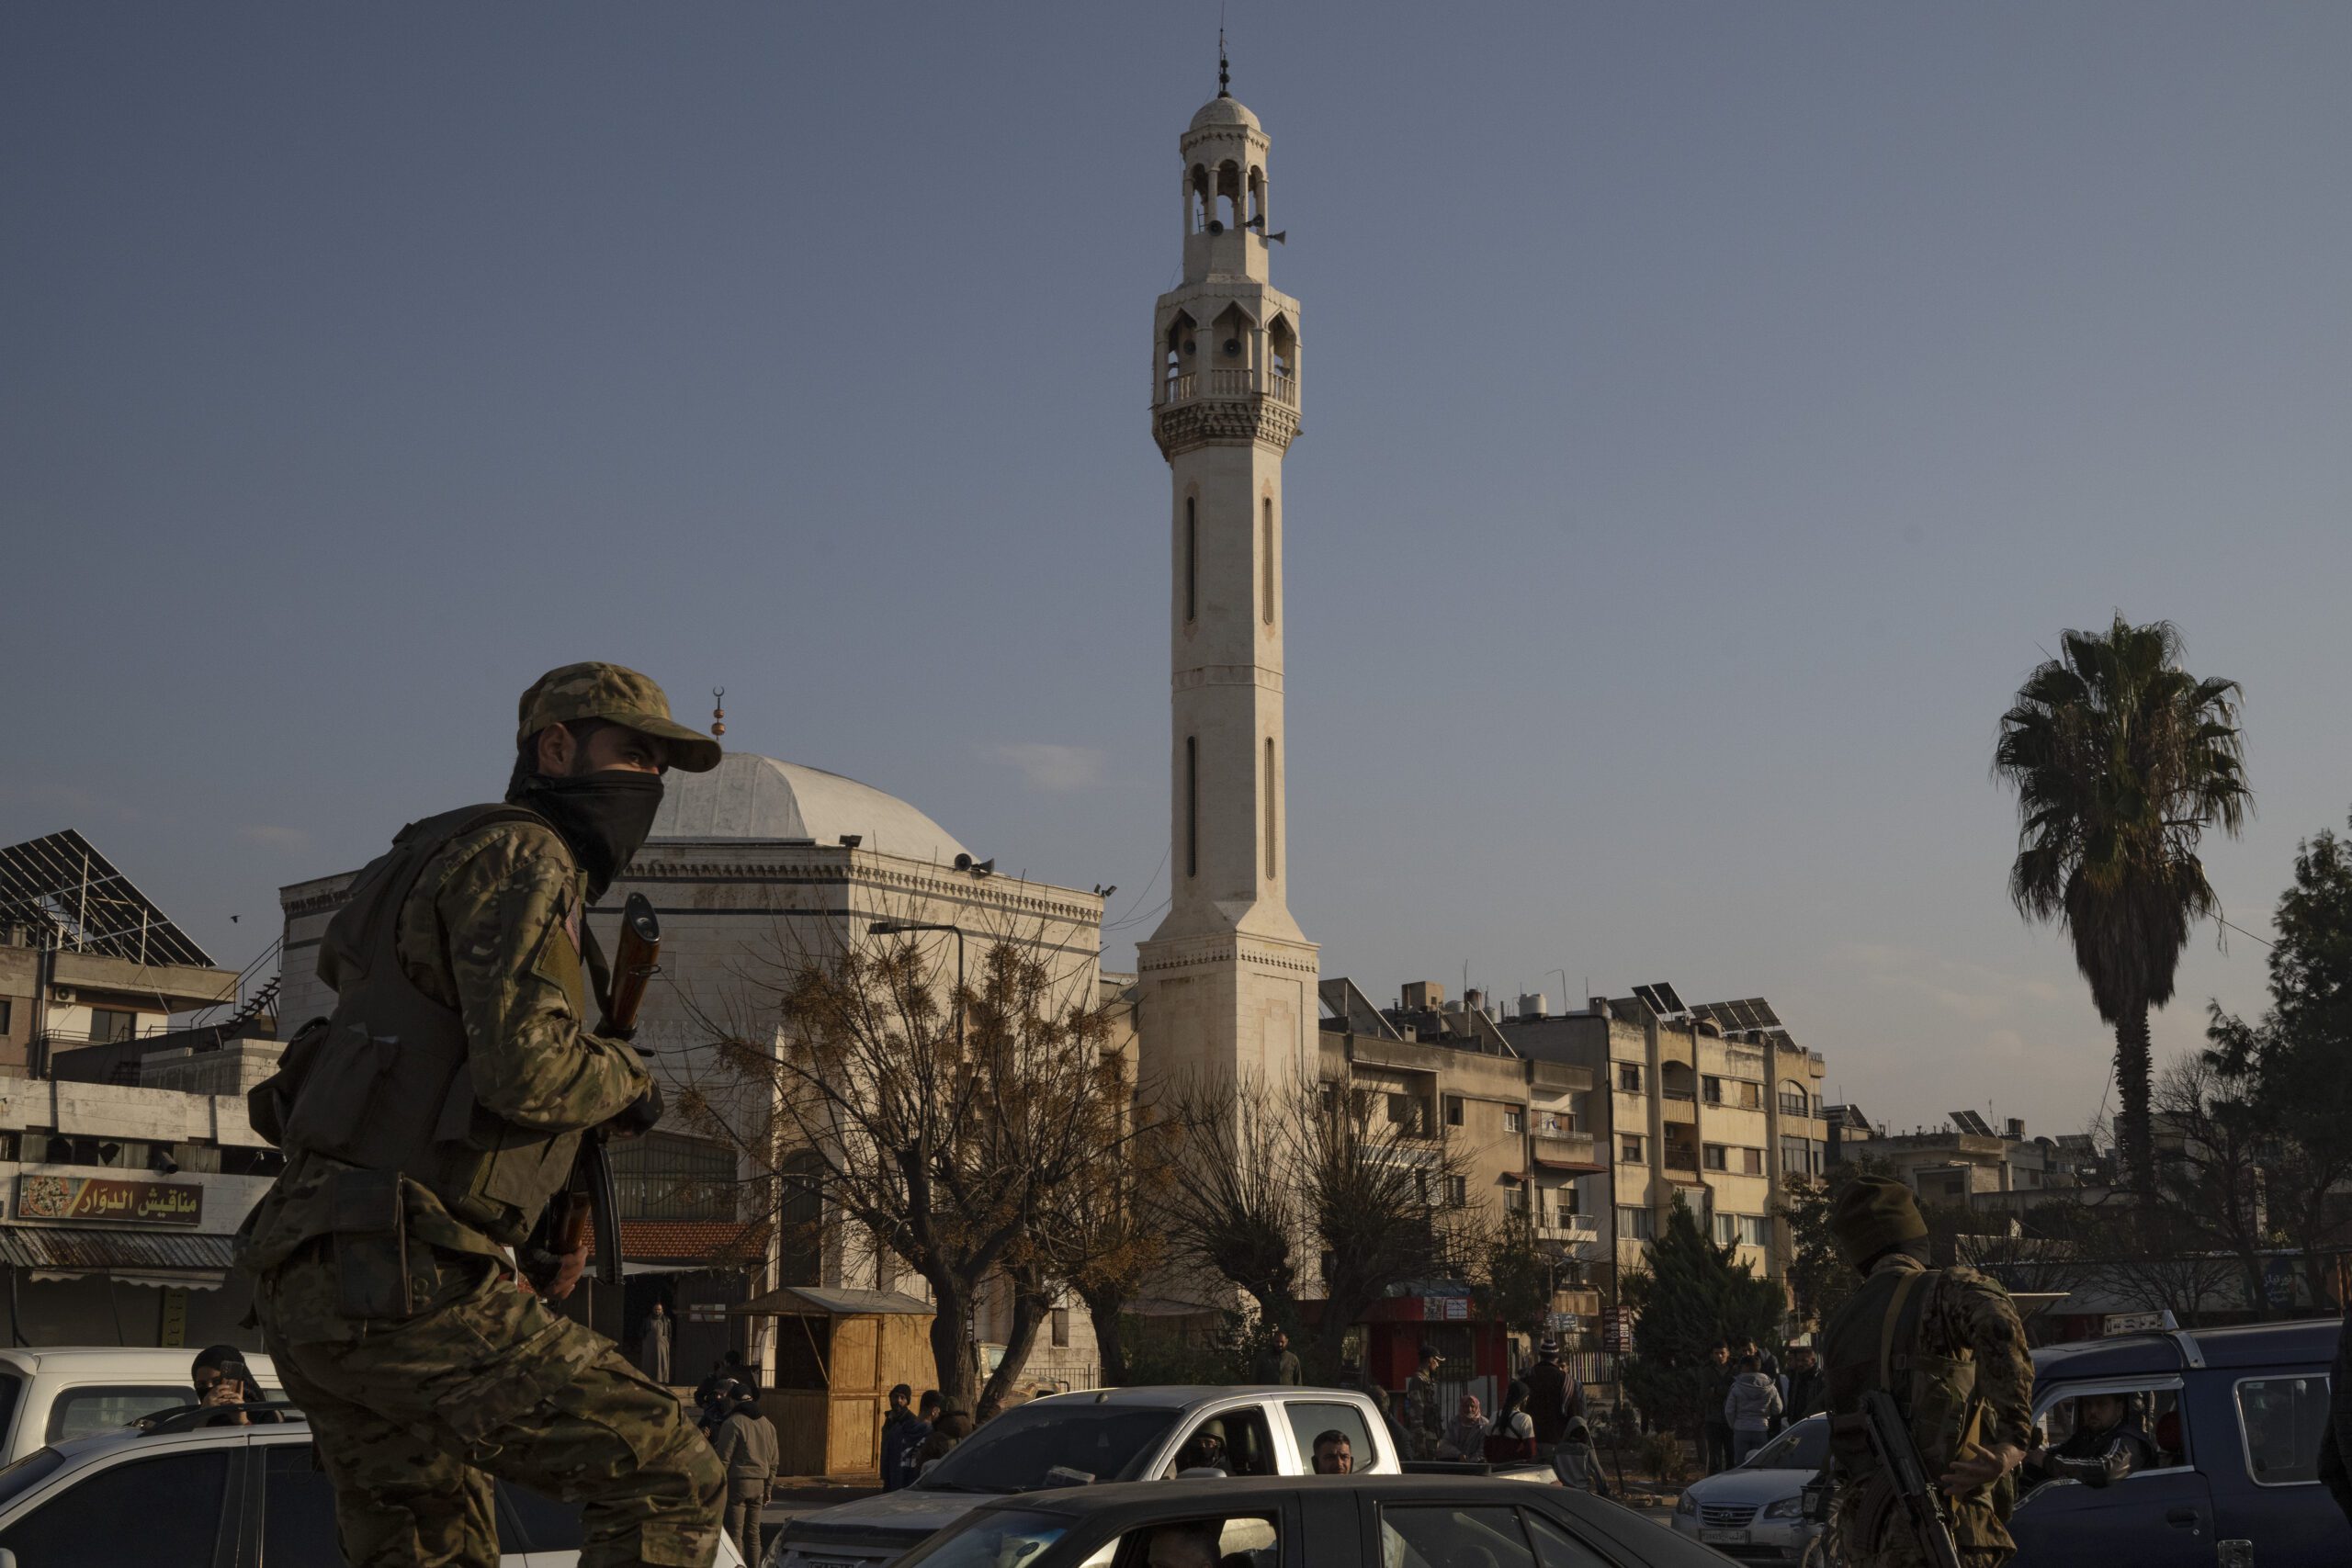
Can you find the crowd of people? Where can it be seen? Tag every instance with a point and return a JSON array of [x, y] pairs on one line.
[[1750, 1400]]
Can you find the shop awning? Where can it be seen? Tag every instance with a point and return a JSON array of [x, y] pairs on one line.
[[134, 1257]]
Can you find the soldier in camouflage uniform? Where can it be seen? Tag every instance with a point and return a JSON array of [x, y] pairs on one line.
[[427, 1123], [1946, 1343]]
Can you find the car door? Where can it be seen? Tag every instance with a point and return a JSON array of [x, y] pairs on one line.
[[1249, 1439], [2266, 1489], [169, 1505], [1309, 1418], [2161, 1518]]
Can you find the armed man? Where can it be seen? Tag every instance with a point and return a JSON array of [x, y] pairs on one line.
[[426, 1124], [1945, 1346]]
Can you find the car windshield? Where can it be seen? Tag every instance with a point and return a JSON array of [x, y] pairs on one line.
[[1014, 1452], [1804, 1446], [990, 1538]]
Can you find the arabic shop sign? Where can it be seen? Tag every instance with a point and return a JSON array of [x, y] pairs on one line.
[[102, 1197]]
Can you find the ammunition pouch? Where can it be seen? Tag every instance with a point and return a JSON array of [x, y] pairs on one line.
[[384, 1084]]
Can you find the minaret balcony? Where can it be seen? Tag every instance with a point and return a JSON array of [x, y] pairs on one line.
[[1227, 384]]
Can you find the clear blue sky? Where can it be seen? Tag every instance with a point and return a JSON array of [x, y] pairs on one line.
[[1711, 414]]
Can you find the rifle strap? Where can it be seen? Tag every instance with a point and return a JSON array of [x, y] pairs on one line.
[[1900, 1327]]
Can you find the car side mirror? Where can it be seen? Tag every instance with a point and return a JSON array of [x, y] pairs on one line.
[[7, 1558]]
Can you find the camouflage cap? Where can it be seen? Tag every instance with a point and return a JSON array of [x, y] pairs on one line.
[[620, 696], [1872, 1213]]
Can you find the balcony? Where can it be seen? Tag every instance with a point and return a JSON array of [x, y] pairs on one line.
[[1554, 1225], [1228, 382], [1565, 1151]]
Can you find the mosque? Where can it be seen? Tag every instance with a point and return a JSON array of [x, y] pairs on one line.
[[763, 857]]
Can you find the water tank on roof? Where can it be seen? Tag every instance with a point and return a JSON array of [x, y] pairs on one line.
[[1531, 1004]]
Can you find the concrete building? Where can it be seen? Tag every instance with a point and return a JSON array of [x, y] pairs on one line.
[[1716, 1115], [1968, 1161], [85, 958], [1228, 980]]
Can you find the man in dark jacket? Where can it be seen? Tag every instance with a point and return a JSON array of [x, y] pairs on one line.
[[1278, 1363], [1552, 1395], [1805, 1393], [1714, 1425]]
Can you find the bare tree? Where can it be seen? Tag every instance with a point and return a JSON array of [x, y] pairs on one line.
[[2211, 1152], [1237, 1210], [936, 1122], [1386, 1197], [1101, 1230]]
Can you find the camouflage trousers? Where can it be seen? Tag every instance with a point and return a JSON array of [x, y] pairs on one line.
[[413, 1416], [1896, 1548]]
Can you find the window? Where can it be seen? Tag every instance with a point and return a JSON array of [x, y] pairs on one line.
[[1442, 1535], [1755, 1230], [1108, 1442], [1555, 1548], [1310, 1419], [1273, 803], [102, 1407], [1750, 1096], [2281, 1420], [1726, 1232], [664, 1177], [1794, 1100], [1266, 568], [2155, 1410], [1249, 1539], [1514, 1119], [1248, 1447], [1801, 1156], [1453, 1111], [1629, 1149], [1457, 1191], [1192, 560], [1635, 1224], [297, 1508], [989, 1537], [1711, 1089], [1192, 805], [1514, 1199], [112, 1026], [1406, 1111], [1061, 1329], [1629, 1078], [163, 1512], [1712, 1156], [8, 1014]]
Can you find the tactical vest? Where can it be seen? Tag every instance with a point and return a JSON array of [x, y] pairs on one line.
[[383, 1083], [1873, 1342]]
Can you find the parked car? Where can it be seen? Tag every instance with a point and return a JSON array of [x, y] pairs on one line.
[[1074, 1439], [1755, 1511], [1394, 1522], [2235, 1416], [220, 1497], [52, 1395]]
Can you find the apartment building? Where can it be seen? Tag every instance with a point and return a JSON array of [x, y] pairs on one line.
[[1716, 1105], [1967, 1161]]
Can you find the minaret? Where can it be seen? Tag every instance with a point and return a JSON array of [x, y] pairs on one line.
[[1228, 979]]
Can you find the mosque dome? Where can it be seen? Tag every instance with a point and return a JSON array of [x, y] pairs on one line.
[[752, 797], [1223, 110]]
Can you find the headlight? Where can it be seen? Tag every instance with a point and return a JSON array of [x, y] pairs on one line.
[[1786, 1508], [1686, 1504]]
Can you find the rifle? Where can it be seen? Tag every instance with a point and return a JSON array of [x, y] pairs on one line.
[[588, 1201], [1881, 1424]]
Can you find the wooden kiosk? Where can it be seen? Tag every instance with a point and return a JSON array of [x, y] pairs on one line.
[[838, 1352]]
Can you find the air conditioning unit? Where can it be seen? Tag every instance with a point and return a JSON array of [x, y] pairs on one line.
[[61, 993]]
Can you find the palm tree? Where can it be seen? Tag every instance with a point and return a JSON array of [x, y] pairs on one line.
[[2121, 760]]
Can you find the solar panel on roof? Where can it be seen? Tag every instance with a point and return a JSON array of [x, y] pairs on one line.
[[1765, 1017], [61, 882], [1667, 994], [1649, 999]]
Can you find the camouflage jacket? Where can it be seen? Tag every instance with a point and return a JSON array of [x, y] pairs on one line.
[[493, 930]]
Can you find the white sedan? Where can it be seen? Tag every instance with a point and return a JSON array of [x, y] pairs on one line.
[[1755, 1512]]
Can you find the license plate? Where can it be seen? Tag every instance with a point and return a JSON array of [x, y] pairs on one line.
[[1723, 1538]]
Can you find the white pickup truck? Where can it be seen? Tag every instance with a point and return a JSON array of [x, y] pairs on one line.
[[1071, 1440]]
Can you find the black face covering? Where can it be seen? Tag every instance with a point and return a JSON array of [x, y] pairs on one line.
[[603, 816]]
